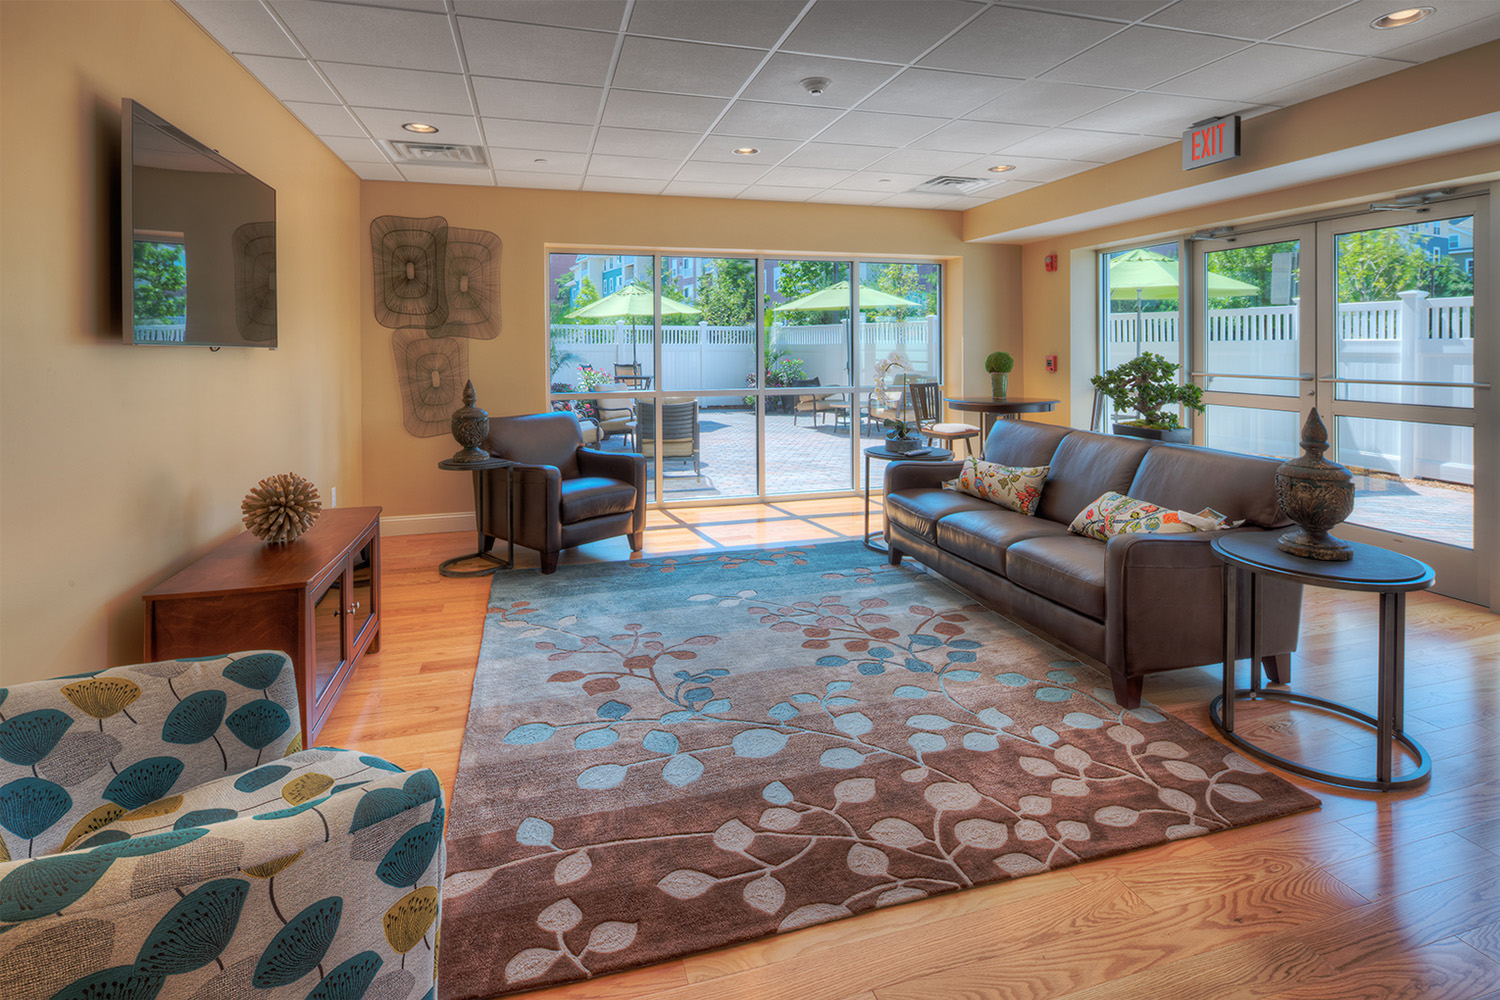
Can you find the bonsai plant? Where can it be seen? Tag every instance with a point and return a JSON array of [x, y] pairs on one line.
[[999, 365], [1147, 384]]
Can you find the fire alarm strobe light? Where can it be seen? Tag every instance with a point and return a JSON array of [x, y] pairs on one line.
[[1052, 362], [1050, 261]]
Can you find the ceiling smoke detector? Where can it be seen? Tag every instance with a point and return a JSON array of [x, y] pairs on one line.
[[948, 184], [434, 153], [815, 85]]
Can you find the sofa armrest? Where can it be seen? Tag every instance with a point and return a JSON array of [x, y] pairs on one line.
[[919, 475], [627, 467], [538, 492]]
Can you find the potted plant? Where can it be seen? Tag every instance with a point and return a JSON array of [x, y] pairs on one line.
[[1147, 384], [898, 436], [999, 365]]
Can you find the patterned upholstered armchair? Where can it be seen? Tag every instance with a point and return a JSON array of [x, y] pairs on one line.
[[164, 835]]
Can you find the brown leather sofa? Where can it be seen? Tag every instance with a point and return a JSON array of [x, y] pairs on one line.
[[1140, 603], [566, 494]]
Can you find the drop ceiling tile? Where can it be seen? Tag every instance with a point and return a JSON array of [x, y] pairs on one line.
[[1028, 168], [702, 189], [290, 79], [1130, 147], [603, 15], [907, 199], [1038, 102], [538, 135], [531, 51], [642, 142], [684, 67], [839, 156], [472, 176], [722, 173], [849, 82], [1368, 68], [1005, 41], [975, 137], [530, 100], [374, 36], [893, 32], [355, 150], [538, 160], [879, 129], [623, 185], [675, 112], [937, 93], [837, 197], [882, 181], [386, 124], [1008, 188], [424, 6], [721, 149], [648, 167], [1348, 28], [922, 161], [1252, 71], [406, 89], [804, 177], [1118, 10], [530, 179], [242, 28], [1067, 144], [776, 121], [1142, 57], [376, 172], [1165, 115], [326, 119], [1258, 19], [1447, 42], [757, 24], [772, 192]]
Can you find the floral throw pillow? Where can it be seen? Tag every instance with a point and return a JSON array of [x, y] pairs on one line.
[[1117, 514], [1012, 487]]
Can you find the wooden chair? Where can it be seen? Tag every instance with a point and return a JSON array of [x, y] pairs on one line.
[[926, 405], [630, 376]]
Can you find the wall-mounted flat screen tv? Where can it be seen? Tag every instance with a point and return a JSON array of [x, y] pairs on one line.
[[199, 241]]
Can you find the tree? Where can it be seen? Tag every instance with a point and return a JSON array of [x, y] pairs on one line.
[[587, 294], [796, 278], [906, 281], [1376, 264], [160, 289], [727, 294]]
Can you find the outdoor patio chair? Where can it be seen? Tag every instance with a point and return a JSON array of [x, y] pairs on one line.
[[630, 376], [926, 407], [813, 405], [680, 434]]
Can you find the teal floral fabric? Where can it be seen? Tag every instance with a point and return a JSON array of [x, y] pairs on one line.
[[163, 835]]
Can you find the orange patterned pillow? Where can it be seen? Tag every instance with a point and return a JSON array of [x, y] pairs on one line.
[[1010, 486]]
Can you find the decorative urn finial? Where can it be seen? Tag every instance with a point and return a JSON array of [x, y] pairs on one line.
[[1316, 494], [471, 426]]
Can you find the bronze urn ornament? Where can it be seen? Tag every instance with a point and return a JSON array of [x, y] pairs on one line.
[[1316, 494], [470, 427]]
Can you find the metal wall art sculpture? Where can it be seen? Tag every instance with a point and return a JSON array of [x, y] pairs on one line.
[[437, 287]]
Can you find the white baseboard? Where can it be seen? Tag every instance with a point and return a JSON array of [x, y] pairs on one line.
[[426, 524]]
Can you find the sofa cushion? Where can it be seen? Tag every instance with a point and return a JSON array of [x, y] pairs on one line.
[[1023, 442], [1241, 486], [1012, 487], [918, 511], [593, 496], [984, 536], [1065, 568], [1085, 466]]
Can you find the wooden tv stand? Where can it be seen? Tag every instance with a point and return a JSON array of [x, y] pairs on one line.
[[316, 598]]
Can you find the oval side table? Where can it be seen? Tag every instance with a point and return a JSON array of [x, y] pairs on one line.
[[928, 454], [481, 500], [1371, 569]]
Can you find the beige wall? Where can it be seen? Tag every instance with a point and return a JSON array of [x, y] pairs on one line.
[[118, 465], [510, 372]]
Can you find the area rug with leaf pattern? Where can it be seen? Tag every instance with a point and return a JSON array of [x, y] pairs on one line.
[[672, 755]]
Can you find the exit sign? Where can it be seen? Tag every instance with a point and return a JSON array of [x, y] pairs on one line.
[[1210, 142]]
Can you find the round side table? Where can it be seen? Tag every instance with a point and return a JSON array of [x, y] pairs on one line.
[[1371, 569], [928, 454], [481, 501]]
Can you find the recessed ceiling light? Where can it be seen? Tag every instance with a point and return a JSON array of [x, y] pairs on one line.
[[1401, 18], [1001, 168], [422, 127], [746, 151]]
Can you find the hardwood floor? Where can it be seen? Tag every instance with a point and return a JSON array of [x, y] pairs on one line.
[[1371, 896]]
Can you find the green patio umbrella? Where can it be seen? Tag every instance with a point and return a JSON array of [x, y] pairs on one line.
[[629, 302], [1146, 274], [836, 296]]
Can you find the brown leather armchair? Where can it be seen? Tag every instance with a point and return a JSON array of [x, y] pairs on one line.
[[565, 494]]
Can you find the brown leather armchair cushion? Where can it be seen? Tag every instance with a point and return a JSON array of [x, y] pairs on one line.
[[590, 496]]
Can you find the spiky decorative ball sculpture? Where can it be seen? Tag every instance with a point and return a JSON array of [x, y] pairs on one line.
[[281, 507]]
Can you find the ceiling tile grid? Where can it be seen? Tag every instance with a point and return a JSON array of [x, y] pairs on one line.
[[837, 101]]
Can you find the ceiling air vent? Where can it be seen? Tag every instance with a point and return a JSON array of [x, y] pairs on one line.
[[952, 185], [434, 153]]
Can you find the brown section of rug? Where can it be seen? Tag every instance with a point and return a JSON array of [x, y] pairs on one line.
[[670, 756]]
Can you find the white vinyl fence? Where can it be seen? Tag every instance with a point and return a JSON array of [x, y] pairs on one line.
[[1414, 338]]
